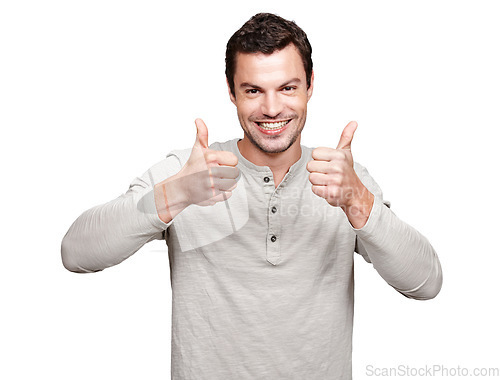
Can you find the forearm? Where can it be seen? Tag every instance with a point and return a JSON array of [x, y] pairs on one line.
[[400, 254], [108, 234]]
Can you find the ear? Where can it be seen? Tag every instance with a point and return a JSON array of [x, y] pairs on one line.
[[310, 89], [231, 96]]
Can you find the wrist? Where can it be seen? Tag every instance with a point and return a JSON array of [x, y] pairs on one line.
[[359, 209], [170, 198]]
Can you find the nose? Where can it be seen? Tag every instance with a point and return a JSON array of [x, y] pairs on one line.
[[271, 105]]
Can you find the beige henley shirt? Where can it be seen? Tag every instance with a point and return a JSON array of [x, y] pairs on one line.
[[262, 284]]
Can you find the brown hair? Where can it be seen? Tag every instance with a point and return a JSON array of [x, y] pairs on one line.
[[267, 33]]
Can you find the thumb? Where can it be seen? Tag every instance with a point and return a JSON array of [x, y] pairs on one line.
[[347, 135], [201, 133]]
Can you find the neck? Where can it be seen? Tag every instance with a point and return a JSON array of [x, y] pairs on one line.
[[279, 163]]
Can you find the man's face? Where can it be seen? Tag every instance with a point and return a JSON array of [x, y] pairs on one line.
[[271, 97]]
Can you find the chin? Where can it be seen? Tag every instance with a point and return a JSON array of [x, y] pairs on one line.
[[277, 147]]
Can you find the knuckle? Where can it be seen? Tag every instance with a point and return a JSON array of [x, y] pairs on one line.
[[330, 182], [333, 194], [210, 157], [309, 166], [233, 159], [317, 152]]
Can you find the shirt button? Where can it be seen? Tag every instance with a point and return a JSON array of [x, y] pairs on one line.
[[273, 238], [266, 179], [274, 209]]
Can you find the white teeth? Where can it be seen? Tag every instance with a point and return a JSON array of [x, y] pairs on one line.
[[271, 126]]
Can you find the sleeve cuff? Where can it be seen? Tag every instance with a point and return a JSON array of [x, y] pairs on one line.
[[373, 219], [147, 207]]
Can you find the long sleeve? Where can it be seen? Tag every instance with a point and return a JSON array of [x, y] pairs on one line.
[[401, 255], [109, 233]]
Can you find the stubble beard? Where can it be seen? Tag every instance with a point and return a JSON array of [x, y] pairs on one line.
[[279, 149]]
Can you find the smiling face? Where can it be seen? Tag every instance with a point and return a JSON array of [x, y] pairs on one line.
[[271, 98]]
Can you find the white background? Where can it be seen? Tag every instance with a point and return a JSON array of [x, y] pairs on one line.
[[92, 93]]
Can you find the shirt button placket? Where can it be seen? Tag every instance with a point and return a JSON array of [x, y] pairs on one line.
[[273, 241]]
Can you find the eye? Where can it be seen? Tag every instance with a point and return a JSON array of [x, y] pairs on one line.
[[288, 88], [252, 91]]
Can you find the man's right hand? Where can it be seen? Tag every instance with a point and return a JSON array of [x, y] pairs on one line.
[[209, 176]]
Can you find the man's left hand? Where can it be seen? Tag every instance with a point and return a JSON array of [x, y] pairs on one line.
[[334, 179]]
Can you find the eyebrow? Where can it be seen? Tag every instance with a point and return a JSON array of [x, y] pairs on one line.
[[287, 83]]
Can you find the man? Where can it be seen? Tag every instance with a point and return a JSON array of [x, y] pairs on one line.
[[261, 265]]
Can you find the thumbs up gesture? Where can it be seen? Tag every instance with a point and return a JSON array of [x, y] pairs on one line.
[[209, 176], [333, 178]]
